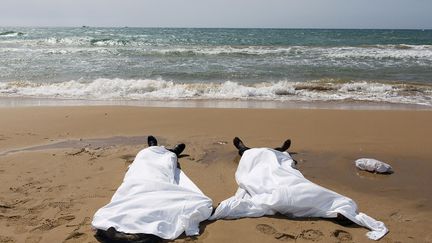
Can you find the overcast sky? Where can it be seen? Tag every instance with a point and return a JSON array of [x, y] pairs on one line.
[[219, 13]]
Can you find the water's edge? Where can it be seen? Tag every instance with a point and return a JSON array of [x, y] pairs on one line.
[[13, 102]]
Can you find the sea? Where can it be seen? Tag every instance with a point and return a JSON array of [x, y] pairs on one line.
[[215, 67]]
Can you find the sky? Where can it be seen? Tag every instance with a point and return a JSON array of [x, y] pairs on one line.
[[401, 14]]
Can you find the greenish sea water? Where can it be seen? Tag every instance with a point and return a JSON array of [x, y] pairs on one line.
[[307, 65]]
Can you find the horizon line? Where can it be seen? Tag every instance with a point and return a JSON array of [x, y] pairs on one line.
[[178, 27]]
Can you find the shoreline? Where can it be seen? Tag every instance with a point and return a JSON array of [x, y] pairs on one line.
[[50, 193], [15, 102]]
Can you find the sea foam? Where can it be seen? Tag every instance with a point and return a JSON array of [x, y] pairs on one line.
[[146, 89], [382, 52]]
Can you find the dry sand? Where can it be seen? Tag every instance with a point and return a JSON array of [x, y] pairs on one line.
[[59, 165]]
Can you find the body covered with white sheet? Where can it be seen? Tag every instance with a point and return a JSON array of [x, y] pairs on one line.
[[269, 184], [155, 198]]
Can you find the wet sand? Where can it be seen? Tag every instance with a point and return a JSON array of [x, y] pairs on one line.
[[58, 165]]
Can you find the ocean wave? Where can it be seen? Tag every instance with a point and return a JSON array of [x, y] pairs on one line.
[[10, 34], [398, 46], [108, 42], [85, 41], [376, 52], [60, 51], [145, 46], [65, 41], [228, 50], [381, 52], [67, 46], [321, 90]]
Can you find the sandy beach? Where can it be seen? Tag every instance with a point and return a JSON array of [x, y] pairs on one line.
[[58, 165]]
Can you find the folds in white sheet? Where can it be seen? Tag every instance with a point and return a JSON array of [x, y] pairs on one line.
[[155, 198], [269, 184]]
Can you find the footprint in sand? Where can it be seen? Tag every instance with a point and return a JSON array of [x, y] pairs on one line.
[[76, 236], [310, 234], [128, 158], [33, 239], [269, 230], [342, 235], [5, 207], [266, 229], [49, 224], [11, 220], [398, 217], [6, 239], [284, 237]]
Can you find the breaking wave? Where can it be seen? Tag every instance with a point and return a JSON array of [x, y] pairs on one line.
[[321, 90], [10, 34], [146, 47], [418, 55], [85, 41], [383, 52]]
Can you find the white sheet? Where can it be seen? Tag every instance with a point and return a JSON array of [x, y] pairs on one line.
[[155, 198], [268, 184]]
